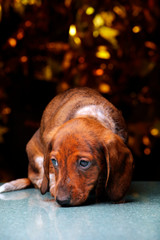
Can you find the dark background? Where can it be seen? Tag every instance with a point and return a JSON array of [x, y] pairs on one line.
[[115, 49]]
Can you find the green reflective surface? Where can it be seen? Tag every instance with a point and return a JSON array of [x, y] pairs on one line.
[[26, 214]]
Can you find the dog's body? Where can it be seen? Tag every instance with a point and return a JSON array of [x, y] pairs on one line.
[[79, 146]]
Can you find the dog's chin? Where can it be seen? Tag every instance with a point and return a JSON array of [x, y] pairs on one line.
[[85, 201], [91, 199]]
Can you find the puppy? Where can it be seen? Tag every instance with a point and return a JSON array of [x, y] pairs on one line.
[[79, 147]]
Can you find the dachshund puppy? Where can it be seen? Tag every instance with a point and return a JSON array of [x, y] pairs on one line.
[[79, 147]]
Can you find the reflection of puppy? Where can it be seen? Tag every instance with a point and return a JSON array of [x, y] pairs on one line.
[[79, 146]]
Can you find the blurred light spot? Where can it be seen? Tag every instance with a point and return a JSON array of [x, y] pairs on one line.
[[48, 73], [103, 53], [95, 33], [145, 89], [108, 18], [146, 140], [98, 21], [131, 141], [6, 111], [147, 151], [77, 40], [64, 86], [154, 131], [31, 2], [20, 35], [98, 72], [57, 46], [28, 23], [90, 10], [104, 88], [12, 42], [102, 48], [110, 35], [67, 60], [120, 11], [24, 59], [3, 130], [67, 3], [72, 30], [81, 59], [25, 2], [151, 45], [136, 29]]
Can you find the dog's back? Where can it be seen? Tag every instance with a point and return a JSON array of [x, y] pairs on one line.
[[83, 102]]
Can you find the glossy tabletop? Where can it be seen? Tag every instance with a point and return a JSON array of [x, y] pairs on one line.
[[27, 215]]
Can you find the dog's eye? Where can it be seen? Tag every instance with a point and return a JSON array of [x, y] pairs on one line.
[[84, 164], [55, 162]]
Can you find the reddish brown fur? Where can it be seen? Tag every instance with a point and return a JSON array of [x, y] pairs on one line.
[[87, 138], [70, 144], [69, 135]]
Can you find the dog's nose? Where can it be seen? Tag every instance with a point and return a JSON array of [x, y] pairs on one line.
[[64, 202]]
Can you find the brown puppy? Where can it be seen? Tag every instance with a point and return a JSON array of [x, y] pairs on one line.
[[80, 146]]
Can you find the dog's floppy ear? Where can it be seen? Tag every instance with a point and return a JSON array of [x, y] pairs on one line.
[[119, 164], [45, 182], [48, 146]]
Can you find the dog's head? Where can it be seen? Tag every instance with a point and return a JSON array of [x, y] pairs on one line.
[[84, 155]]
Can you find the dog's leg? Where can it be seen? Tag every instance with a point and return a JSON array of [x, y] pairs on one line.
[[35, 169], [35, 154], [15, 185]]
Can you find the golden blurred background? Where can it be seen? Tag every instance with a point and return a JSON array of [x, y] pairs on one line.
[[47, 47]]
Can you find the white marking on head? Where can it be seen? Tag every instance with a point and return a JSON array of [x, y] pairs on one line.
[[97, 112], [91, 110]]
